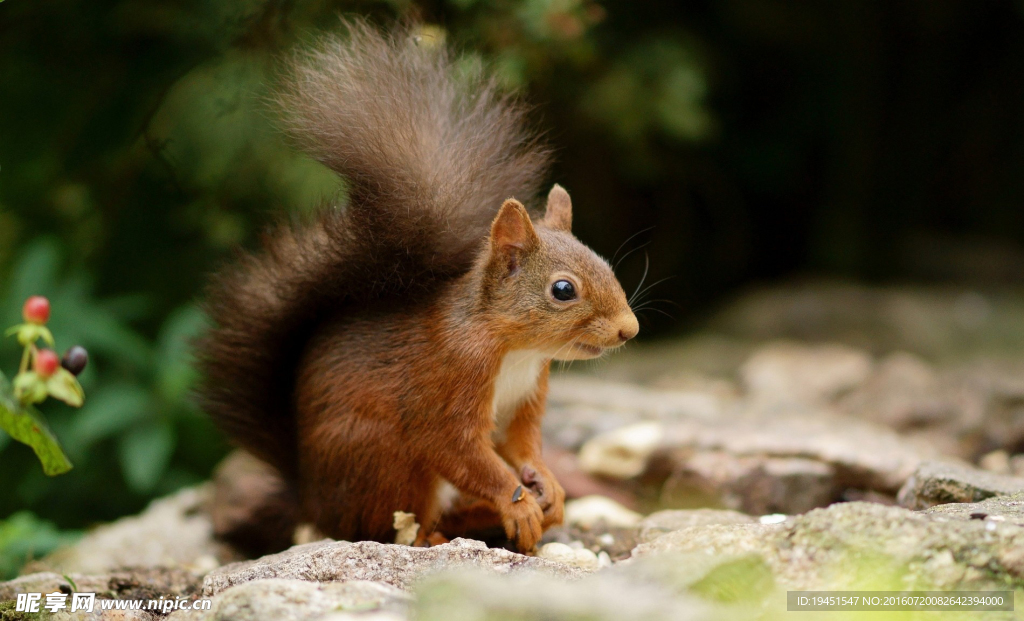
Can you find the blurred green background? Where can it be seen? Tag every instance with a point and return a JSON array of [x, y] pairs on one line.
[[741, 140]]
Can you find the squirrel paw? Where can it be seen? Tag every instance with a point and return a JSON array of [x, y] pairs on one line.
[[424, 540], [550, 495], [522, 520]]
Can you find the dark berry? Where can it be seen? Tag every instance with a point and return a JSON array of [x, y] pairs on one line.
[[75, 359]]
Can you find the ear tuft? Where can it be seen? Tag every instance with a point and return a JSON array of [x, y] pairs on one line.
[[512, 228], [559, 210]]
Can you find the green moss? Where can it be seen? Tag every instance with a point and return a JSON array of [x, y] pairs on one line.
[[8, 613], [747, 578]]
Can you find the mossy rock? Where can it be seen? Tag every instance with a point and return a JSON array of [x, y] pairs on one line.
[[8, 612]]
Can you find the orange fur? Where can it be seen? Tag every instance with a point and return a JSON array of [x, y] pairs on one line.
[[378, 353]]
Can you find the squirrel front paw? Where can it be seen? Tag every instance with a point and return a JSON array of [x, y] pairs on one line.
[[550, 494], [522, 519]]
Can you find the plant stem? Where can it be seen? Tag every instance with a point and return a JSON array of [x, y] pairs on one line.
[[25, 359]]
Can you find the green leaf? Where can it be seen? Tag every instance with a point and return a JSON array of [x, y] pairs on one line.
[[29, 388], [25, 424], [64, 386], [145, 453], [29, 333]]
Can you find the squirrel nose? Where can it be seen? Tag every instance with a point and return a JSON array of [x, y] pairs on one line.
[[630, 328]]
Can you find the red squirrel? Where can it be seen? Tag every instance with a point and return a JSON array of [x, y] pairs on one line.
[[392, 354]]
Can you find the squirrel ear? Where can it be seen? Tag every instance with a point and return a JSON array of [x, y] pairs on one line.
[[559, 212], [513, 228], [512, 235]]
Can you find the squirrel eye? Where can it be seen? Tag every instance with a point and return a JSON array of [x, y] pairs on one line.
[[563, 291]]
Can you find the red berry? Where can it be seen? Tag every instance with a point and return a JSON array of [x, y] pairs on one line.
[[46, 363], [36, 310]]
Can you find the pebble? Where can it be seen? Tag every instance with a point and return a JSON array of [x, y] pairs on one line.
[[578, 557], [621, 453], [588, 511]]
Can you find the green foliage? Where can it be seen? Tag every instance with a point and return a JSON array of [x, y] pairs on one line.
[[23, 537], [138, 434], [25, 424]]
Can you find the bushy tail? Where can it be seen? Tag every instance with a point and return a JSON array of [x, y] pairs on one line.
[[428, 154]]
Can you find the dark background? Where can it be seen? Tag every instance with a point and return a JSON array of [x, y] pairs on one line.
[[740, 141]]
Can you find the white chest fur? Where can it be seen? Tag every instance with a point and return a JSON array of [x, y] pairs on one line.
[[516, 382]]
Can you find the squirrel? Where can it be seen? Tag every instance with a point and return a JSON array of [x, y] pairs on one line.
[[392, 354]]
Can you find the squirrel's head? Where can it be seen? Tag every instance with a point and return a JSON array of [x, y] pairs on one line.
[[547, 290]]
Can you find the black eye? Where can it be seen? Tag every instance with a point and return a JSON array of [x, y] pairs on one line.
[[563, 291]]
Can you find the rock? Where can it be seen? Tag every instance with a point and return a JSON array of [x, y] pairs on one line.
[[863, 455], [757, 455], [589, 511], [378, 615], [858, 544], [126, 583], [935, 483], [996, 461], [172, 532], [147, 583], [602, 596], [810, 374], [961, 410], [721, 578], [784, 458], [300, 600], [1008, 509], [904, 393], [103, 615], [615, 543], [250, 506], [396, 565], [715, 539], [662, 522], [756, 484], [578, 557], [621, 453], [580, 408]]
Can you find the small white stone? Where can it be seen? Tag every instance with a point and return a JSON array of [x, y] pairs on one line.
[[585, 559], [773, 518], [606, 539], [621, 453], [603, 560], [587, 511], [561, 553], [556, 552]]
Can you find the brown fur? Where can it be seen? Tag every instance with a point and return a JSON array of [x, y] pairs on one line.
[[359, 354]]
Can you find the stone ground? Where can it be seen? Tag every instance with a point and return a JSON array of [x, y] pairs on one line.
[[814, 437]]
